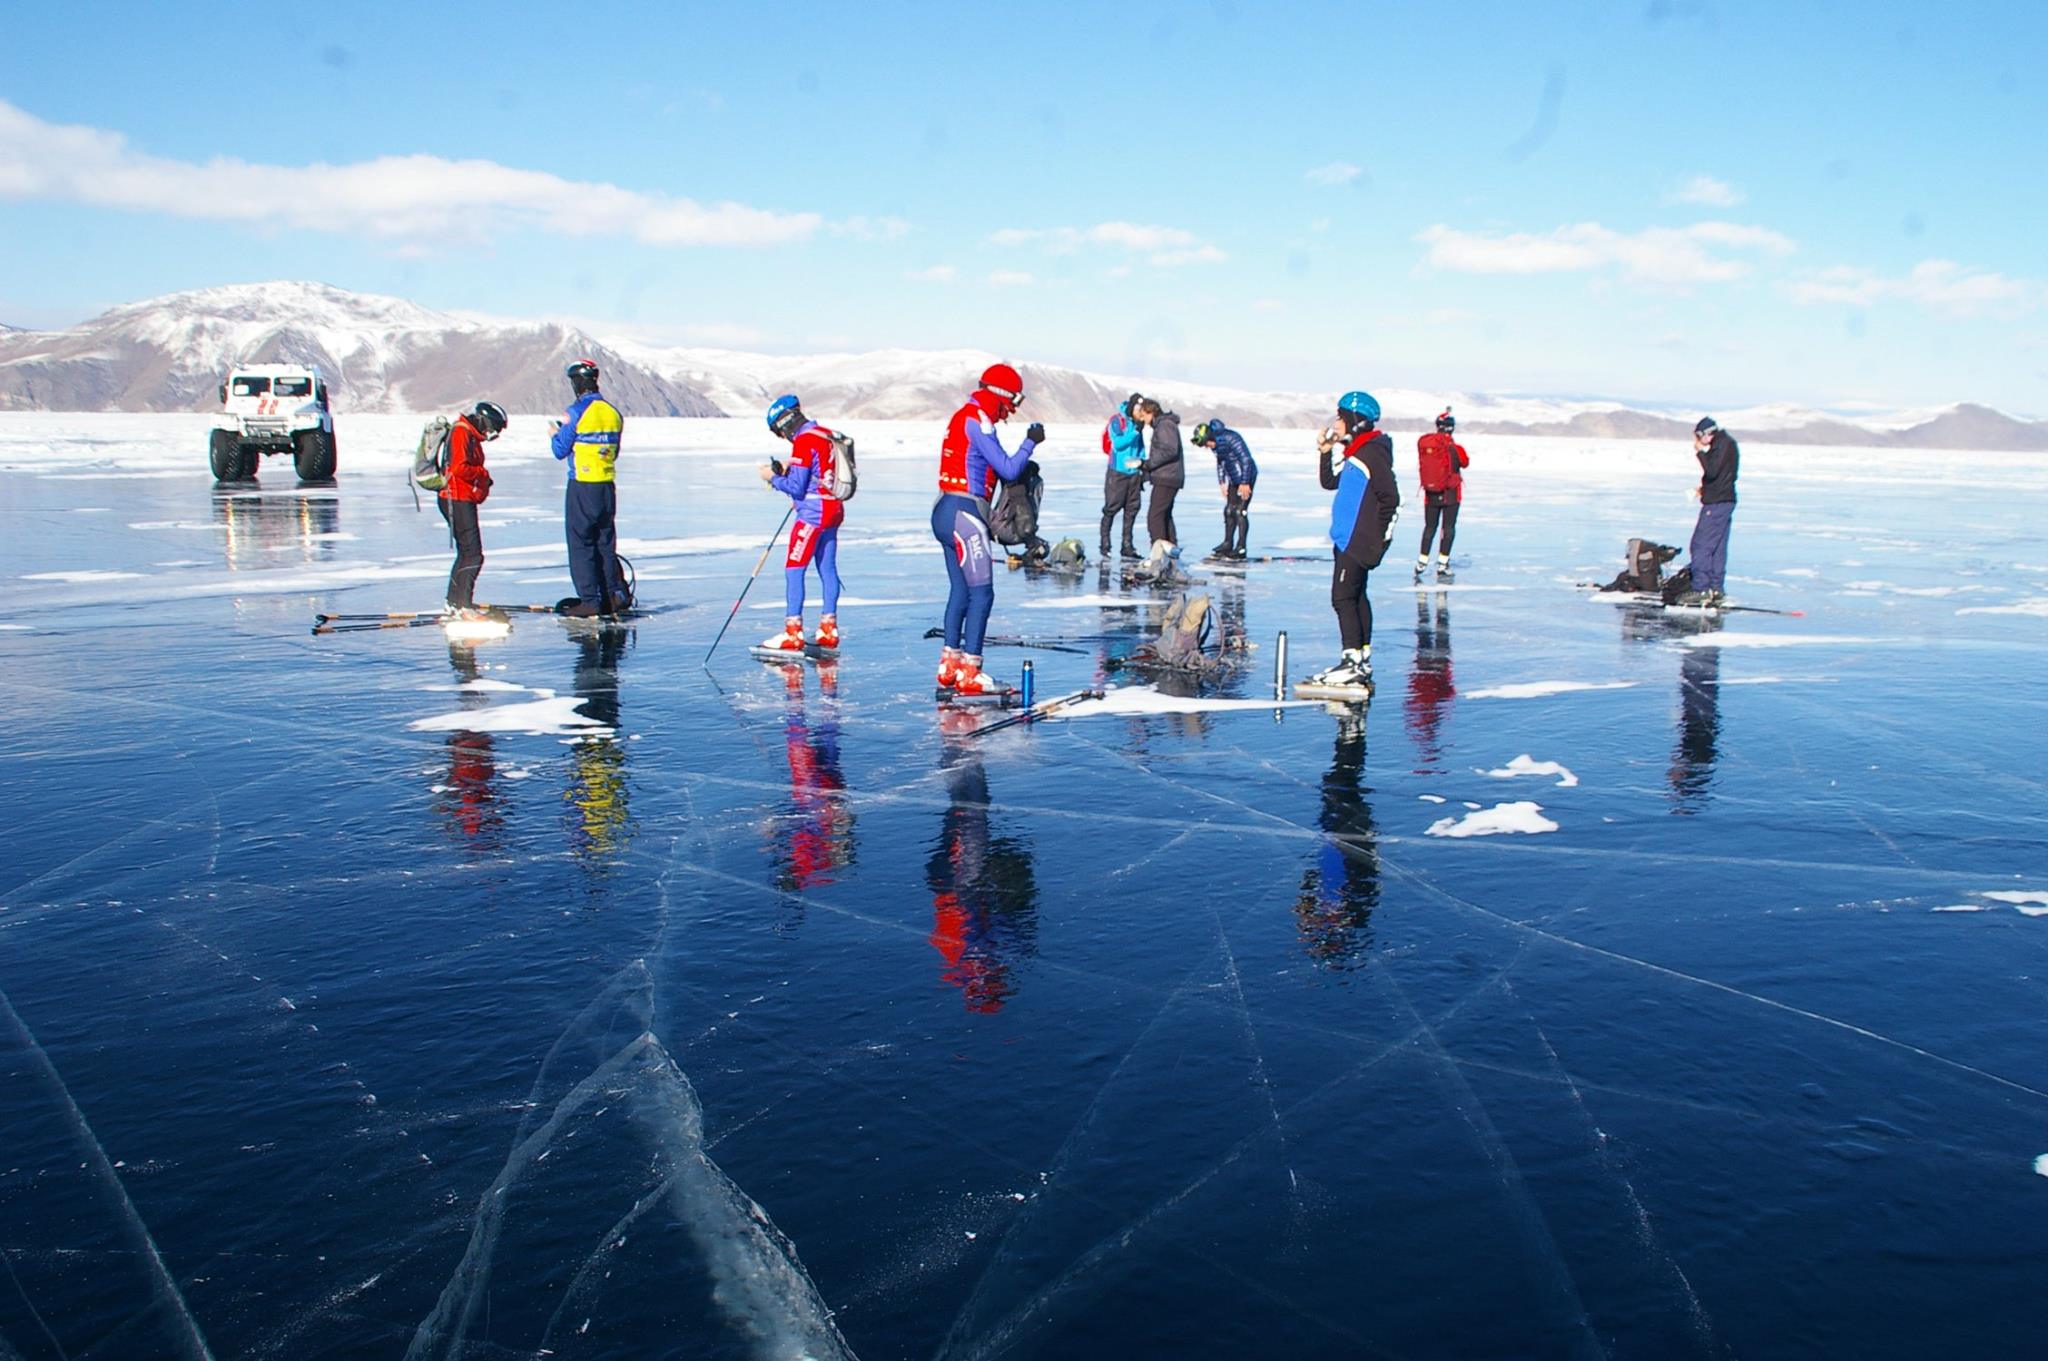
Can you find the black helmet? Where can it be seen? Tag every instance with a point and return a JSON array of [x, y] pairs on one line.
[[490, 418], [1206, 431], [1444, 424], [1705, 427], [583, 376]]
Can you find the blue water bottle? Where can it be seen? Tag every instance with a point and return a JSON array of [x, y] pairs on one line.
[[1027, 688]]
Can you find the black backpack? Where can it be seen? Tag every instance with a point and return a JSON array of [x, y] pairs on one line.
[[1645, 570]]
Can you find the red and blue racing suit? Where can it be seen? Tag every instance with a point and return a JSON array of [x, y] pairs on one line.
[[970, 461], [815, 535]]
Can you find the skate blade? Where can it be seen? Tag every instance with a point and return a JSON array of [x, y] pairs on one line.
[[1342, 694], [1001, 699], [810, 652]]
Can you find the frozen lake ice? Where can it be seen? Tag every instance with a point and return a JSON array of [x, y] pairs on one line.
[[1624, 984]]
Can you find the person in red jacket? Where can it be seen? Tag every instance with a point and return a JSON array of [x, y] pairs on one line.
[[469, 483], [1443, 489]]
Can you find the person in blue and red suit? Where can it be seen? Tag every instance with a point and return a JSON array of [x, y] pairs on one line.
[[971, 460], [806, 480]]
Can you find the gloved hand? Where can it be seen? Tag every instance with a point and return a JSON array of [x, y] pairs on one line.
[[1036, 433], [769, 470]]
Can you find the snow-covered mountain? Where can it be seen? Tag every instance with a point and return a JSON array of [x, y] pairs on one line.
[[385, 354]]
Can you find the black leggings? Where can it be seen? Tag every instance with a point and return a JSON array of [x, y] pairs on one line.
[[1121, 494], [1435, 505], [1347, 597], [1159, 515], [469, 551], [1237, 520]]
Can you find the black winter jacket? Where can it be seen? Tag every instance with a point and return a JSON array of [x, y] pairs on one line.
[[1717, 469], [1164, 466]]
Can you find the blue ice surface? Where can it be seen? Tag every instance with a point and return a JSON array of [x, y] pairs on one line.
[[783, 1017]]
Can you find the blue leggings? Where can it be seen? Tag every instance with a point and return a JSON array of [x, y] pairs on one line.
[[810, 544], [960, 524]]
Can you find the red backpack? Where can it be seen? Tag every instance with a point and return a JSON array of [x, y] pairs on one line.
[[1439, 459], [1105, 439]]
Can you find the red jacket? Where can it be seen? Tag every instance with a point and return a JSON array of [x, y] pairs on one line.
[[467, 478]]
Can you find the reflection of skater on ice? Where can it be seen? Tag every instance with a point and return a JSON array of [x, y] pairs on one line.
[[1430, 686], [467, 796], [984, 894], [601, 822], [1699, 725], [1341, 886], [814, 838]]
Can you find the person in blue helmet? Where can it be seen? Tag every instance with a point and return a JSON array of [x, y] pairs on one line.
[[1358, 465], [1236, 474], [807, 480]]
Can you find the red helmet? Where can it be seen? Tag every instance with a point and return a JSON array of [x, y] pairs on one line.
[[1005, 382]]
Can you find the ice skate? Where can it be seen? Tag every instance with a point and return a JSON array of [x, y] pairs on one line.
[[949, 667], [827, 636], [791, 639]]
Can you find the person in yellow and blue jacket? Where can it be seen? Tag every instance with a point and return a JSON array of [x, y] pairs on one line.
[[587, 439]]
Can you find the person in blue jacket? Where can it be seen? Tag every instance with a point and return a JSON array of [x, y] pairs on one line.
[[587, 440], [1236, 474], [1361, 521], [1123, 483]]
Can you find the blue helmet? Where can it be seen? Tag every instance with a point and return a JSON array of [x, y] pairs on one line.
[[783, 414], [1360, 404]]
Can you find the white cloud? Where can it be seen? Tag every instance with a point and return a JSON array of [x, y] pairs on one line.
[[1659, 255], [1268, 305], [932, 274], [1705, 189], [871, 228], [1011, 278], [1940, 284], [408, 198], [1165, 247], [1335, 173]]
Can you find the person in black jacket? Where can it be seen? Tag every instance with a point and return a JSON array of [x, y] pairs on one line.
[[1708, 556], [1361, 522], [1165, 470]]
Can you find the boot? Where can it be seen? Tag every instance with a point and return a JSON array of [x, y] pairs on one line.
[[1129, 553], [791, 639], [1443, 566], [949, 667], [1221, 551], [1353, 668], [827, 635], [1421, 566], [582, 609], [969, 680]]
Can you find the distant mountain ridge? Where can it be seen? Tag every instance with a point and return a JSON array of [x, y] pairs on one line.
[[388, 354]]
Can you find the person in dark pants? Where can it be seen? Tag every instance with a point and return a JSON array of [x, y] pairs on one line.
[[1165, 472], [1361, 522], [587, 440], [466, 489], [1441, 461], [1236, 475], [1708, 556], [1123, 483]]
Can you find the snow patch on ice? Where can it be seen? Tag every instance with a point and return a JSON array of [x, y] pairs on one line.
[[1501, 819], [539, 718], [1146, 699], [485, 683], [1797, 572], [1301, 541], [1432, 798], [1961, 907], [2041, 1166], [2015, 897], [2037, 607], [1779, 640], [92, 575], [1529, 765], [1092, 602], [1541, 689]]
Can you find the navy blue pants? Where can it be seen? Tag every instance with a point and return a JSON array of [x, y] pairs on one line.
[[960, 524], [589, 515], [1708, 555]]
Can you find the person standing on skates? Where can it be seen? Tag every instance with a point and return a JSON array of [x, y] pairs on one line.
[[814, 538], [971, 459], [1719, 459], [1123, 484], [462, 496], [1236, 475], [1358, 465], [587, 439], [1443, 490]]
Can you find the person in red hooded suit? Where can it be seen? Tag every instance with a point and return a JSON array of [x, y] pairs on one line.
[[468, 485], [971, 461]]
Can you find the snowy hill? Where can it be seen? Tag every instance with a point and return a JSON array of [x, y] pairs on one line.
[[388, 355]]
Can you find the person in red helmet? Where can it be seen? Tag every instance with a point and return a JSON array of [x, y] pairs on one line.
[[971, 461]]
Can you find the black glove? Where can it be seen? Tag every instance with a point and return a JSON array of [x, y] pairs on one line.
[[1036, 434], [775, 464]]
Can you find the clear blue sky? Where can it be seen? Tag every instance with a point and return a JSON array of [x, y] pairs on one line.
[[1692, 202]]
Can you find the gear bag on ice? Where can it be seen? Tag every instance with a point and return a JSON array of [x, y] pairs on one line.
[[1068, 554], [430, 459], [1645, 570]]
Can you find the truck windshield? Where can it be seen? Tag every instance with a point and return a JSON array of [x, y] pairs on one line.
[[251, 387], [292, 387]]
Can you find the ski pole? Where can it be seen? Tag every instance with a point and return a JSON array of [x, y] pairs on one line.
[[765, 551]]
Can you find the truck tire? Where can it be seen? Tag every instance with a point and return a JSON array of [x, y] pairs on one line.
[[313, 455], [224, 456]]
